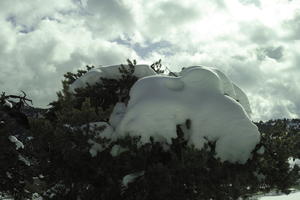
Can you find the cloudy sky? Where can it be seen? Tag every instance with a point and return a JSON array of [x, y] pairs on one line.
[[255, 42]]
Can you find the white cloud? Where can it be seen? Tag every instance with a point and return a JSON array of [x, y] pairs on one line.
[[36, 61], [256, 42]]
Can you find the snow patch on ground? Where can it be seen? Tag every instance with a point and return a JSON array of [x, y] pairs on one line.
[[292, 196]]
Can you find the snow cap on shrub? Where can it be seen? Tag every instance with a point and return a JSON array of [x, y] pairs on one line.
[[215, 106], [217, 109], [112, 72]]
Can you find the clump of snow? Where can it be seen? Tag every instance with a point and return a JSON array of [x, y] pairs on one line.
[[117, 150], [207, 98], [24, 160], [101, 129], [98, 130], [95, 148], [36, 196], [112, 72], [261, 150], [259, 176], [293, 162], [17, 142], [7, 104], [9, 175], [54, 190], [129, 178], [69, 127]]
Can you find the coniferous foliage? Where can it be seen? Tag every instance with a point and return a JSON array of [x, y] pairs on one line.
[[15, 170], [102, 95], [181, 172], [71, 77], [70, 160], [157, 67], [110, 91]]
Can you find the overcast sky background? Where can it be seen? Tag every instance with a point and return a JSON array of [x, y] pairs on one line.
[[255, 42]]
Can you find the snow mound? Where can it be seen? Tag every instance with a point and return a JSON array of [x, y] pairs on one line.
[[227, 87], [205, 97], [242, 98], [112, 72]]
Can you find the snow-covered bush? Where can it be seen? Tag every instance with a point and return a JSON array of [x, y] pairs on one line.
[[198, 94], [133, 132]]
